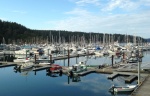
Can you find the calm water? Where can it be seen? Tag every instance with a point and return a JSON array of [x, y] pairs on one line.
[[40, 84]]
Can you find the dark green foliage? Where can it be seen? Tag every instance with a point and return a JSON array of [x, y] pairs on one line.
[[148, 40], [13, 32]]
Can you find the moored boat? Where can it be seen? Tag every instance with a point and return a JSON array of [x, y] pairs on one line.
[[23, 63], [77, 68], [127, 88], [55, 68]]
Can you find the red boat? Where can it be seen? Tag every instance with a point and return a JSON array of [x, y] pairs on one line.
[[55, 68]]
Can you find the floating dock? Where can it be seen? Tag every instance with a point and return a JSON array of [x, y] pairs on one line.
[[7, 65], [70, 56], [85, 72], [130, 78], [41, 68], [143, 89], [112, 76]]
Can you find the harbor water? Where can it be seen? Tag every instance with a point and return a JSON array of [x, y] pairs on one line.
[[30, 83]]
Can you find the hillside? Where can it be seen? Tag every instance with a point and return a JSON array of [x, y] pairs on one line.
[[14, 32], [148, 40]]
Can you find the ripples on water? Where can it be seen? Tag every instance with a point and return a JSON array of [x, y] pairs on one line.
[[30, 84]]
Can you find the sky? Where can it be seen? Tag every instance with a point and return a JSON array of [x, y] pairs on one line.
[[131, 17]]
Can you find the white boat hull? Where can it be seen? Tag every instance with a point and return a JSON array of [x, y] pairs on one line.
[[127, 88]]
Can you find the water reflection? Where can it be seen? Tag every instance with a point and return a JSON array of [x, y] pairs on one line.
[[89, 60], [53, 74], [42, 83]]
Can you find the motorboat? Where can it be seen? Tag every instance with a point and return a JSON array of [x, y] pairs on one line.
[[26, 65], [127, 88], [21, 60], [81, 66], [23, 63], [132, 60], [55, 68], [77, 68], [98, 53]]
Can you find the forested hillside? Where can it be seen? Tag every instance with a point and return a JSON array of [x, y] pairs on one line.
[[148, 40], [12, 32]]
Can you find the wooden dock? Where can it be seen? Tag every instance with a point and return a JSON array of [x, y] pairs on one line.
[[112, 76], [85, 72], [70, 56], [143, 89], [130, 78], [41, 68], [7, 65], [53, 59]]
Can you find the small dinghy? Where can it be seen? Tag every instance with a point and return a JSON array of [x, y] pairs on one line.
[[127, 88]]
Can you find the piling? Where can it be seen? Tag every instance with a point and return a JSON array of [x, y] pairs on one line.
[[4, 57], [26, 53], [51, 59], [35, 58], [123, 57], [112, 59], [68, 79], [68, 58], [76, 60], [48, 52], [64, 62]]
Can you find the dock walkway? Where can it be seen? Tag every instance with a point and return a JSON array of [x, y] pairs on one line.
[[144, 89], [85, 72], [7, 65], [41, 68]]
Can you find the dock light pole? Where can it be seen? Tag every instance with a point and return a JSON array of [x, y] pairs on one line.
[[139, 66]]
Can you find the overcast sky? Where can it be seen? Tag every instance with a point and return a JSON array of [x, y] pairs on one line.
[[130, 17]]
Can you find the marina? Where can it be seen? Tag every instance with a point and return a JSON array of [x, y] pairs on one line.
[[75, 48], [75, 67]]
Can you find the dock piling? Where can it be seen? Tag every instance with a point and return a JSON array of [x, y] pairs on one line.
[[35, 58], [112, 59], [68, 57]]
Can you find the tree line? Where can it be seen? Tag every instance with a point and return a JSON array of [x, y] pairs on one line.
[[12, 32]]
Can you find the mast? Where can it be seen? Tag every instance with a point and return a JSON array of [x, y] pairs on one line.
[[50, 38], [103, 39], [59, 38]]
